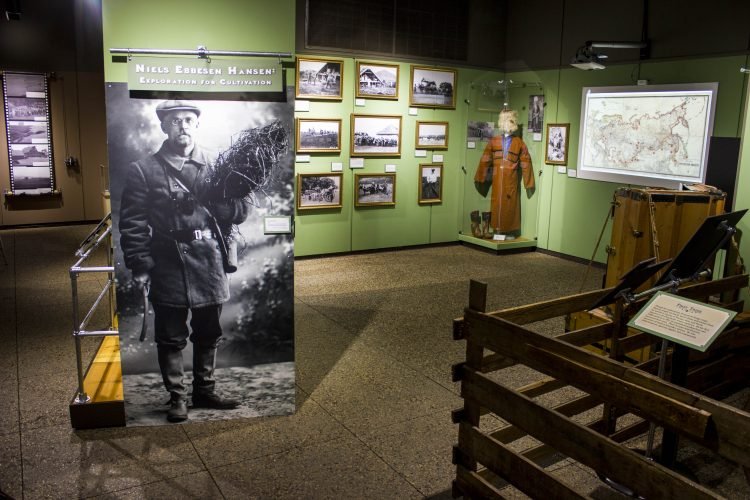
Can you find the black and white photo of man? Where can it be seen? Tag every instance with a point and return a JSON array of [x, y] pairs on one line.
[[191, 182]]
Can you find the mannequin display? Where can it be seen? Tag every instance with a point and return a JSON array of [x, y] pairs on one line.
[[504, 155]]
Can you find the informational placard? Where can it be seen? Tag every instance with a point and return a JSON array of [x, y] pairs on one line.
[[356, 163], [275, 224], [205, 75], [28, 131], [684, 321]]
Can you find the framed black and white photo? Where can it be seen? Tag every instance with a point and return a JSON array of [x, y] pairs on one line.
[[318, 135], [316, 191], [432, 135], [376, 135], [377, 80], [28, 131], [432, 87], [536, 113], [479, 131], [319, 78], [375, 190], [430, 183], [557, 144]]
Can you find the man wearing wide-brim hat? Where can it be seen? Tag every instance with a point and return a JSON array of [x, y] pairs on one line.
[[171, 231]]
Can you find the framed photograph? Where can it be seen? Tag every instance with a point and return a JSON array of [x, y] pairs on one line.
[[479, 131], [432, 87], [557, 144], [315, 191], [432, 135], [319, 78], [376, 135], [375, 190], [536, 113], [377, 81], [430, 183], [318, 135]]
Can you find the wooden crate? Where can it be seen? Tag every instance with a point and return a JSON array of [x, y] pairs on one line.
[[484, 458], [645, 216]]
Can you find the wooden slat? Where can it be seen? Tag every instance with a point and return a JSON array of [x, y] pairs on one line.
[[588, 335], [541, 387], [472, 485], [550, 308], [593, 374], [495, 362], [519, 471], [624, 466], [636, 341], [510, 433]]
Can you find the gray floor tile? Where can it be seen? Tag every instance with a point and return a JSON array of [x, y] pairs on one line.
[[10, 465], [368, 389], [61, 463], [9, 417], [220, 443], [420, 449], [344, 468], [195, 486]]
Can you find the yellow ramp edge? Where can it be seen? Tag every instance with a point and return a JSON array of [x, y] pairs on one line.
[[103, 381]]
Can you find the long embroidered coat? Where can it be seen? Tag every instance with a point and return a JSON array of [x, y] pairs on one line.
[[506, 199]]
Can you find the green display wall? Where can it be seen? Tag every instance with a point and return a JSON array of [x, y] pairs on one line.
[[565, 214]]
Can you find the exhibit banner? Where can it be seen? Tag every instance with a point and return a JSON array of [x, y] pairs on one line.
[[204, 291], [205, 75]]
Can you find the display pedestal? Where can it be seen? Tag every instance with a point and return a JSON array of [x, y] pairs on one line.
[[519, 244], [103, 384]]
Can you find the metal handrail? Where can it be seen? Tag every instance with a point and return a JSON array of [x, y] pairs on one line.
[[100, 234]]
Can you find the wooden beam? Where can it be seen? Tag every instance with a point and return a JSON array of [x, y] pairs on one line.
[[550, 308], [588, 335], [472, 485], [519, 471], [622, 465], [593, 374]]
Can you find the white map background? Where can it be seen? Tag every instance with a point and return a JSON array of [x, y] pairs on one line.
[[662, 135]]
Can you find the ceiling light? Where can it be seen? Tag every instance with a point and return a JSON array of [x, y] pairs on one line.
[[587, 59]]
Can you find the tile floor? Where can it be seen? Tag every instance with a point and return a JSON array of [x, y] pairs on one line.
[[373, 353]]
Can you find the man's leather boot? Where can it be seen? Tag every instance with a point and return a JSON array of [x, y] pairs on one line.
[[204, 395], [178, 411], [170, 364]]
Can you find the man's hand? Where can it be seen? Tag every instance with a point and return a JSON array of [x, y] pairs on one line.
[[141, 279]]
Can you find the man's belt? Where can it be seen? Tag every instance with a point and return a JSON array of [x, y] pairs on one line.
[[188, 235]]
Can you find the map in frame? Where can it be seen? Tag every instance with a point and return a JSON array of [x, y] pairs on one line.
[[646, 133]]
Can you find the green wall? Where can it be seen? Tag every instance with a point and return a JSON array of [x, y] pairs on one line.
[[572, 211], [407, 223], [564, 213]]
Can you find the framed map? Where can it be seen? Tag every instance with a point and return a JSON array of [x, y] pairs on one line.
[[646, 135]]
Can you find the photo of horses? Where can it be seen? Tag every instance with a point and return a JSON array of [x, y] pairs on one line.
[[375, 190]]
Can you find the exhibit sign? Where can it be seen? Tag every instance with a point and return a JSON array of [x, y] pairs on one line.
[[180, 74], [684, 321], [27, 123], [204, 290], [650, 136]]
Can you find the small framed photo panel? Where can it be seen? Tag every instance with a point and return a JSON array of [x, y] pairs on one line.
[[377, 80], [319, 78], [432, 135], [557, 144], [376, 135], [430, 183], [318, 135], [318, 191], [432, 87], [375, 190]]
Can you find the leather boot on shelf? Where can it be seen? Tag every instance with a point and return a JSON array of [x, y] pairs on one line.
[[476, 224], [170, 364], [204, 394], [486, 216]]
